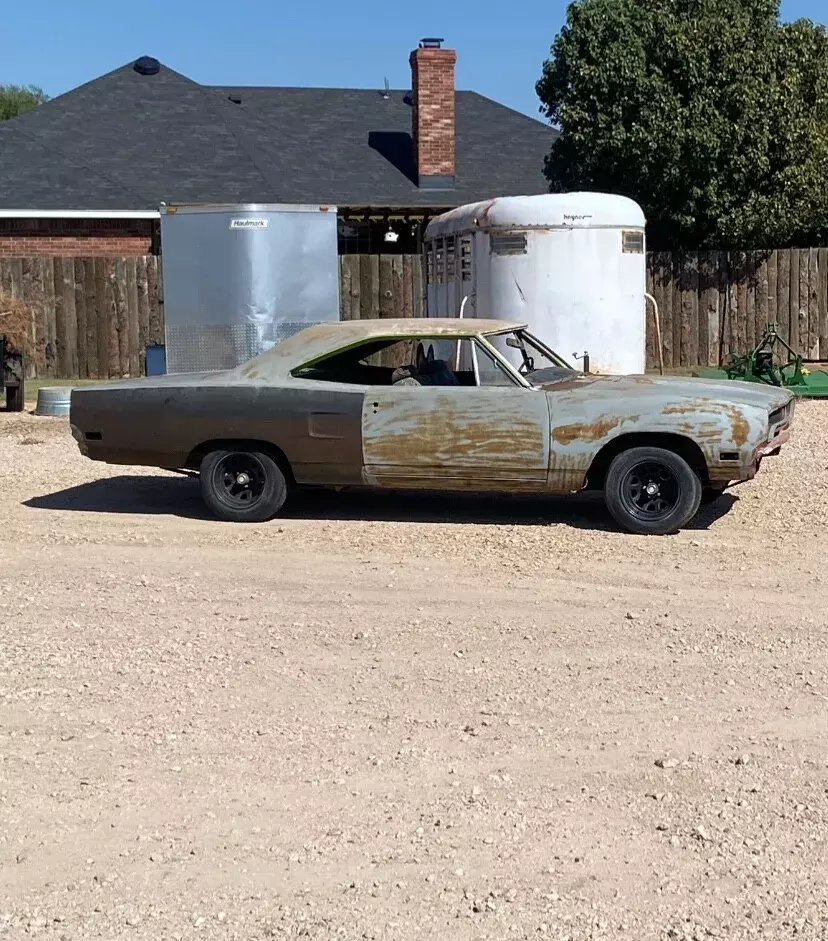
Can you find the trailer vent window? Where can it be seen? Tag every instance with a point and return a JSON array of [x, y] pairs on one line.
[[633, 243], [466, 258], [429, 258], [440, 261], [508, 244], [451, 250]]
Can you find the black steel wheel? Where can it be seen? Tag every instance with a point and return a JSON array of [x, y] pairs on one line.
[[652, 491], [242, 486], [15, 398]]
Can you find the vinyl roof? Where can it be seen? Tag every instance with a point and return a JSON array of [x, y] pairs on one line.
[[325, 339]]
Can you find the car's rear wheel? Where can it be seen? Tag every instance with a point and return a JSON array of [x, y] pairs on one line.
[[243, 486], [652, 491]]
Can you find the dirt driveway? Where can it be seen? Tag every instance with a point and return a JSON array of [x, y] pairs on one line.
[[394, 719]]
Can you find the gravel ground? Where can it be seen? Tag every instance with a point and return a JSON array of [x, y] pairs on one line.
[[386, 718]]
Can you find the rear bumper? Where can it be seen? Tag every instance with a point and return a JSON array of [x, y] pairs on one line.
[[80, 439]]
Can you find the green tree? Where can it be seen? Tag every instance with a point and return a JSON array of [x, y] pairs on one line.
[[709, 113], [16, 99]]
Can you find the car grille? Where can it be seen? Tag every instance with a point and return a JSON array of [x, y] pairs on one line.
[[781, 415]]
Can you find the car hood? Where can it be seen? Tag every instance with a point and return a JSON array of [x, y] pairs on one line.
[[679, 388]]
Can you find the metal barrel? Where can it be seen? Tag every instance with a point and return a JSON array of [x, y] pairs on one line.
[[53, 401]]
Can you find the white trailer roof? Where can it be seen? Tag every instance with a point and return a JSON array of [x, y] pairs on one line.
[[547, 211]]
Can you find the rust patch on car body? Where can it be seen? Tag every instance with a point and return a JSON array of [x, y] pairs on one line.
[[500, 433], [583, 431], [739, 423], [739, 426], [567, 385], [703, 431], [684, 408]]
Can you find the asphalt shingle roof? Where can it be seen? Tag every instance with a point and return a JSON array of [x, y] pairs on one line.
[[128, 141]]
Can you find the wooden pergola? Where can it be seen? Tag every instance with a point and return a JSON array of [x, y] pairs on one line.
[[364, 230]]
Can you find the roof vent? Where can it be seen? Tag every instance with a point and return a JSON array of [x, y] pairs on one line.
[[235, 98], [430, 42], [146, 65], [408, 98]]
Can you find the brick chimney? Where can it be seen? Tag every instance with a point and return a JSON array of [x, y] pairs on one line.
[[432, 119]]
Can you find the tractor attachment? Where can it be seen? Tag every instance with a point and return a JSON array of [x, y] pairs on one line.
[[759, 365]]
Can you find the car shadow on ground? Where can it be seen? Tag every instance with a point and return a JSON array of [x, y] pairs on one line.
[[171, 496]]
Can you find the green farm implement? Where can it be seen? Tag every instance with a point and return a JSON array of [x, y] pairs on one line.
[[765, 364]]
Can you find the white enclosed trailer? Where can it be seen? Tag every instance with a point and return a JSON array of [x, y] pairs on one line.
[[571, 266]]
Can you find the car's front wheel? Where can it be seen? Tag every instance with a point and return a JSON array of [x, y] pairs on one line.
[[652, 491], [242, 486]]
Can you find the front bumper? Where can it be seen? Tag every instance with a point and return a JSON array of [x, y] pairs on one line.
[[770, 448], [774, 446]]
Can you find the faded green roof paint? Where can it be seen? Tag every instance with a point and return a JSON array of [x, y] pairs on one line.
[[321, 340]]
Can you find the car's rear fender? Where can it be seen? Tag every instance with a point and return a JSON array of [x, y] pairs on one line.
[[198, 453]]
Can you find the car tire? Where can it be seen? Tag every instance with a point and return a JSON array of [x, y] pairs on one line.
[[652, 491], [243, 486], [15, 398]]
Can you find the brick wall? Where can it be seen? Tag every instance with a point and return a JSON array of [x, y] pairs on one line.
[[433, 114], [78, 238]]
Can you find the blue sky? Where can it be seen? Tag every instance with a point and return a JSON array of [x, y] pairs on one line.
[[500, 45]]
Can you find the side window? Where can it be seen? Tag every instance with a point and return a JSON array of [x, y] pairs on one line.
[[371, 364], [442, 349], [423, 361], [490, 371], [397, 354]]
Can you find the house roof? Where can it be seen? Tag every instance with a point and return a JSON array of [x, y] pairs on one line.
[[131, 141]]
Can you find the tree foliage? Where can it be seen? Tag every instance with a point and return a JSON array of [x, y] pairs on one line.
[[709, 113], [16, 99]]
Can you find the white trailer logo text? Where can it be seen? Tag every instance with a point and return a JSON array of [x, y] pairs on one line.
[[249, 223]]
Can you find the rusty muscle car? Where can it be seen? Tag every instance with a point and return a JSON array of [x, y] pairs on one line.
[[441, 405]]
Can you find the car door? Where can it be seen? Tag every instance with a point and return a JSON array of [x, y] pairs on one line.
[[456, 437]]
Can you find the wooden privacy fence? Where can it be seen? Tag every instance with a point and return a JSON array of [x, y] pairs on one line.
[[713, 304], [89, 317], [94, 317], [373, 286]]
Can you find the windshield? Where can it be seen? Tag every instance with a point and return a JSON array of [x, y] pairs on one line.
[[534, 361]]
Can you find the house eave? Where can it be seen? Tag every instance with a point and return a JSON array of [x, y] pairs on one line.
[[79, 214]]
